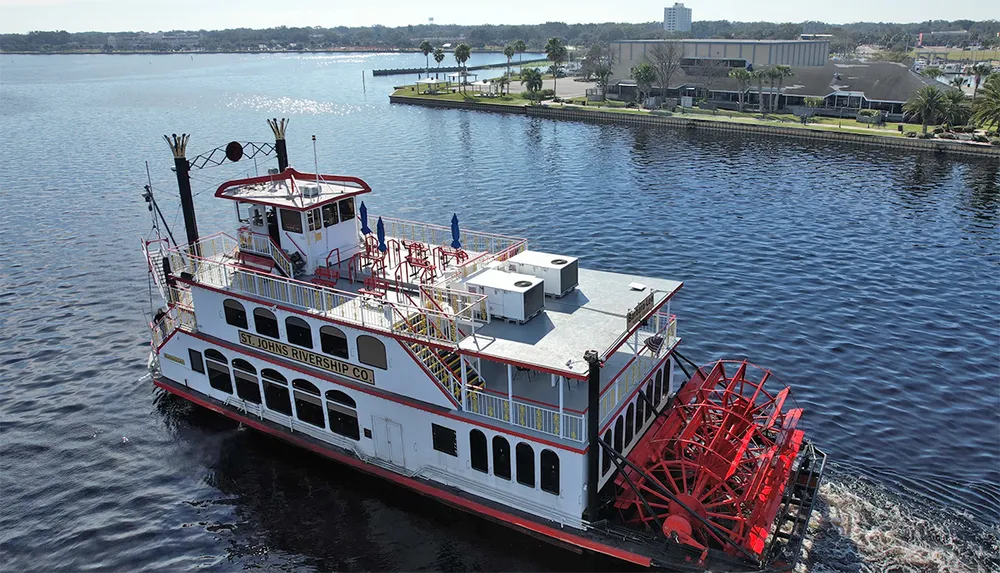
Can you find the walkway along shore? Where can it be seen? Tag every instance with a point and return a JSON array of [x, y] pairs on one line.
[[576, 113]]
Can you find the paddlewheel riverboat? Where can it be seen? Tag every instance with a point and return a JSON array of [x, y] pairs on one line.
[[517, 385]]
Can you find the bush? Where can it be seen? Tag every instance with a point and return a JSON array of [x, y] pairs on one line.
[[947, 136], [938, 130], [911, 134], [995, 141], [991, 134], [926, 135], [869, 112], [980, 138]]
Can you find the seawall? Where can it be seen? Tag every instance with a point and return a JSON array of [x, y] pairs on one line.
[[602, 116]]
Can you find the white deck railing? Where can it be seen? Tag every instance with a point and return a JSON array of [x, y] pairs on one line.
[[535, 417], [175, 318], [264, 245], [394, 317], [641, 366]]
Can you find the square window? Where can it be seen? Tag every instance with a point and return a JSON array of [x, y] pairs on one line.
[[445, 440], [197, 364]]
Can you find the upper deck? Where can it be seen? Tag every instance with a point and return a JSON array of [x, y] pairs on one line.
[[591, 317]]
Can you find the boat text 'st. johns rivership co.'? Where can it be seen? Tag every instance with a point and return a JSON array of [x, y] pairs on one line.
[[514, 384]]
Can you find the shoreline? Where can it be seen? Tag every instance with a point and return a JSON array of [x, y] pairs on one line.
[[604, 116]]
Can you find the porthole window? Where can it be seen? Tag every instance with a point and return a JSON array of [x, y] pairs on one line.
[[549, 464], [236, 315], [525, 465], [371, 351], [265, 323], [340, 408], [346, 209], [247, 387], [308, 405], [218, 371], [276, 395], [291, 221], [333, 341], [298, 332], [501, 457], [477, 451]]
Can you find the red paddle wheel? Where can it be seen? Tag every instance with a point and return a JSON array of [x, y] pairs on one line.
[[711, 470]]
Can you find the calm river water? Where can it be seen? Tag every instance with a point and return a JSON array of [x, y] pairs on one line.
[[868, 279]]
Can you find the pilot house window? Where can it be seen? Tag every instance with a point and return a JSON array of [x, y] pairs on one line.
[[346, 209], [291, 221], [330, 215]]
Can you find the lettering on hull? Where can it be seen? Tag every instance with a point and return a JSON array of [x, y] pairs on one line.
[[339, 367]]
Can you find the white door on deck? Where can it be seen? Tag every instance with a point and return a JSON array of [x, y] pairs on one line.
[[388, 441]]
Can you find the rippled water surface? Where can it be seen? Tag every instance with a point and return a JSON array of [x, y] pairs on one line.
[[868, 279]]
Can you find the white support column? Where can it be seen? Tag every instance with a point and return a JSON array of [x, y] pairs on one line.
[[670, 376], [465, 396], [510, 392], [562, 382], [635, 343]]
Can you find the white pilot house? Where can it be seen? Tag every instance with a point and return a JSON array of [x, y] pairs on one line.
[[514, 384]]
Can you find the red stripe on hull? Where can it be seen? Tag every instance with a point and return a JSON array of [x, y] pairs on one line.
[[513, 521]]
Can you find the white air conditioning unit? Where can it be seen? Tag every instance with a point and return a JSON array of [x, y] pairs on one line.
[[560, 273], [309, 190], [511, 296]]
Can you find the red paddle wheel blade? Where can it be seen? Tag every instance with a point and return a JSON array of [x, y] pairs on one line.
[[713, 467]]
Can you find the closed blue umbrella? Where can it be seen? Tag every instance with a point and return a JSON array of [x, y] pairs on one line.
[[365, 229], [380, 233], [455, 235]]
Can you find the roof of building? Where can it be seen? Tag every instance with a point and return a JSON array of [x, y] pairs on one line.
[[879, 81]]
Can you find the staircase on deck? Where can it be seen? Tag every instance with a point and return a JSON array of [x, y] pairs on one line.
[[444, 365]]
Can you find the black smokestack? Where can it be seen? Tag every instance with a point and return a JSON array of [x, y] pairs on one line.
[[278, 127], [178, 146]]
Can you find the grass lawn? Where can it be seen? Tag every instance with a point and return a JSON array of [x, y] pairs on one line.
[[845, 125]]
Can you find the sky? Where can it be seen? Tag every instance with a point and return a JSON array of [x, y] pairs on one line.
[[20, 16]]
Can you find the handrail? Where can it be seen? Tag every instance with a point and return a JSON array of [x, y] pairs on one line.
[[567, 425], [346, 306], [263, 244], [174, 319], [637, 369]]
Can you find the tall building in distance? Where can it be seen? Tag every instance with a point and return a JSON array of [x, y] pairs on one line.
[[677, 18]]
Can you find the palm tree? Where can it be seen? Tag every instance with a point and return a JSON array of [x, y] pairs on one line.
[[426, 48], [932, 72], [929, 103], [957, 108], [987, 108], [462, 53], [503, 81], [759, 75], [979, 71], [438, 57], [958, 81], [520, 47], [509, 52], [531, 79], [772, 75], [782, 72], [742, 77], [644, 75], [556, 52]]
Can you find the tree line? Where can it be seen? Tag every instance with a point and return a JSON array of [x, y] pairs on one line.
[[846, 37]]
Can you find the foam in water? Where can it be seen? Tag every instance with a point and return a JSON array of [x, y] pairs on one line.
[[858, 526]]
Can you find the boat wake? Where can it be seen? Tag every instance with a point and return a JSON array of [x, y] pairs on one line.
[[860, 526]]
